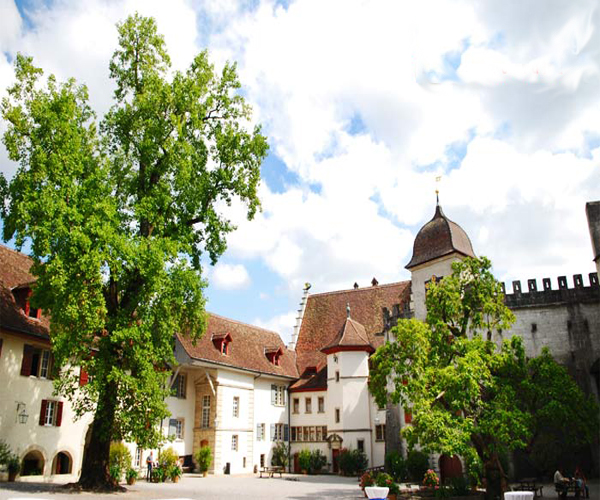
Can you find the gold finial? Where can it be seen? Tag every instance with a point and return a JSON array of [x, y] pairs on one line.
[[438, 179]]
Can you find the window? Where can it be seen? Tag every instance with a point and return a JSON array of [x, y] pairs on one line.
[[244, 462], [307, 433], [36, 362], [225, 348], [299, 434], [308, 405], [360, 444], [337, 415], [236, 406], [205, 412], [312, 433], [321, 406], [260, 432], [234, 442], [278, 395], [176, 428], [296, 406], [137, 461], [294, 434], [380, 432], [262, 460], [179, 386], [337, 376], [51, 413], [335, 358], [279, 432], [319, 435]]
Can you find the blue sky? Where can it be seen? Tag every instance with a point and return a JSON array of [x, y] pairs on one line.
[[364, 105]]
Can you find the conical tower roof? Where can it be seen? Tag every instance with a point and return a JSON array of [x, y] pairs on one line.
[[439, 237], [352, 337]]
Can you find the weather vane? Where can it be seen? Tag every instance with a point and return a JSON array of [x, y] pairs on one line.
[[438, 179]]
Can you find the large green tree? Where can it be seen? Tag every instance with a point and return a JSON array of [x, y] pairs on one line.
[[470, 392], [119, 213]]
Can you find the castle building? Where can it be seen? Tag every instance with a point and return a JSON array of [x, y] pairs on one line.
[[240, 390]]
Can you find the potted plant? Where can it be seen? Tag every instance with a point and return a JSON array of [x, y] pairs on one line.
[[131, 476], [13, 466], [366, 480], [394, 489], [430, 479], [175, 473], [203, 459], [304, 461]]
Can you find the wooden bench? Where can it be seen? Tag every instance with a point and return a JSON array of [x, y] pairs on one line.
[[277, 469]]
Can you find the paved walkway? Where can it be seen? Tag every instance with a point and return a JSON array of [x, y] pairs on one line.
[[192, 487]]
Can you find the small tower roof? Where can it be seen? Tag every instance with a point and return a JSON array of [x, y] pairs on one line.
[[439, 237], [352, 337]]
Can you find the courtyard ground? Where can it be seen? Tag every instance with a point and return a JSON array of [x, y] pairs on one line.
[[192, 486], [250, 487]]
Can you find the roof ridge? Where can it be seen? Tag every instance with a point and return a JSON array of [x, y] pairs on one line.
[[334, 292], [21, 254], [245, 324]]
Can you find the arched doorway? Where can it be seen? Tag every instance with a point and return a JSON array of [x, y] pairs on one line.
[[450, 467], [62, 463], [33, 464]]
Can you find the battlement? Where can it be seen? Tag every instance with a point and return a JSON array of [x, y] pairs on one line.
[[547, 295]]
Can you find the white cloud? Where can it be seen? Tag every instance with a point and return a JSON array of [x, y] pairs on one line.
[[281, 323], [230, 276]]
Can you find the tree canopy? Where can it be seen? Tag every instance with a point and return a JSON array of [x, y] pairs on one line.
[[119, 213], [471, 392]]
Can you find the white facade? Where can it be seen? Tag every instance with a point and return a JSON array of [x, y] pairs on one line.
[[37, 443]]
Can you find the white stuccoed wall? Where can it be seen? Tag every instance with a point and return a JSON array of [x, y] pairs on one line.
[[49, 441]]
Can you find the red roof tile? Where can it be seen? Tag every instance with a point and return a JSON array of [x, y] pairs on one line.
[[14, 274], [246, 350], [325, 316], [352, 334]]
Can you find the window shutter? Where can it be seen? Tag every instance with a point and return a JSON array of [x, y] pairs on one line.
[[59, 409], [272, 432], [284, 396], [407, 417], [286, 432], [273, 394], [1, 340], [83, 377], [26, 363], [51, 372], [43, 411], [183, 386]]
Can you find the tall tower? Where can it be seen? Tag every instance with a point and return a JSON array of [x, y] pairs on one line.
[[438, 244], [592, 210]]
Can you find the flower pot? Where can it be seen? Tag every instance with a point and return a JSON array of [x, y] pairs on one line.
[[205, 473], [392, 496], [130, 481], [175, 479], [12, 476]]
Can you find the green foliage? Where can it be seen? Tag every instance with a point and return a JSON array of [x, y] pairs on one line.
[[304, 460], [168, 458], [280, 455], [119, 460], [382, 479], [311, 461], [468, 394], [175, 471], [396, 465], [13, 464], [352, 462], [131, 474], [459, 486], [203, 458], [417, 464], [159, 474], [119, 213], [4, 452]]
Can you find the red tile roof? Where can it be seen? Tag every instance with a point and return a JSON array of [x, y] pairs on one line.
[[246, 350], [14, 273], [439, 237], [352, 334], [325, 316]]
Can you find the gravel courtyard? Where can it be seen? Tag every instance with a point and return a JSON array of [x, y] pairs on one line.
[[212, 487]]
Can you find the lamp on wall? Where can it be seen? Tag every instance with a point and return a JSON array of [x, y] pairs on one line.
[[22, 415]]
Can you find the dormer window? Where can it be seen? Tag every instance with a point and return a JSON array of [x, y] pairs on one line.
[[22, 294], [221, 342], [273, 355]]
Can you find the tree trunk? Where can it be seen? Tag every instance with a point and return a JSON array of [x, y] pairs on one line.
[[494, 476], [95, 468]]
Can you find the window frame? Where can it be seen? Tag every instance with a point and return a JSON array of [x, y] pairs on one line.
[[235, 442], [321, 404], [205, 422], [308, 405]]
